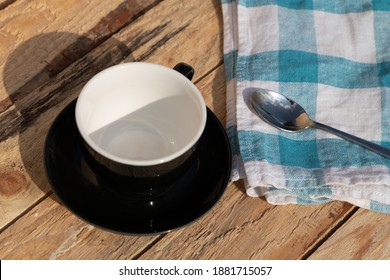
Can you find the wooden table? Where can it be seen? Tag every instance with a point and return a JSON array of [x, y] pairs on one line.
[[49, 49]]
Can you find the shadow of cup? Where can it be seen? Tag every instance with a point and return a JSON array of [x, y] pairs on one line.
[[40, 74]]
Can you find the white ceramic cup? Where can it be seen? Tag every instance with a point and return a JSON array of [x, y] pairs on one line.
[[140, 114]]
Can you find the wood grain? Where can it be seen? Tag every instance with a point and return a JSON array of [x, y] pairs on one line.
[[40, 38], [219, 236], [152, 37], [366, 236], [242, 227], [23, 122], [213, 89], [5, 3], [61, 45], [135, 43], [49, 231]]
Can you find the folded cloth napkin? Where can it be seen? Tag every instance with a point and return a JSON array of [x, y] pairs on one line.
[[333, 58]]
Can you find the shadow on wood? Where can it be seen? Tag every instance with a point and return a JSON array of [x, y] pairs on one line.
[[50, 79]]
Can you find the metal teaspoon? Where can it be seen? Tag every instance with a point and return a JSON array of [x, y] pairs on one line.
[[286, 114]]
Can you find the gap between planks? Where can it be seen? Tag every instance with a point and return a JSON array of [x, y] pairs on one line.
[[149, 246], [305, 256], [4, 4], [328, 234], [212, 69], [28, 209]]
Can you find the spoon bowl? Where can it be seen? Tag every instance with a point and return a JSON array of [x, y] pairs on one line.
[[280, 111], [286, 114]]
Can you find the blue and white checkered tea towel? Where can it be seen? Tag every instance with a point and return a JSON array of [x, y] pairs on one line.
[[332, 57]]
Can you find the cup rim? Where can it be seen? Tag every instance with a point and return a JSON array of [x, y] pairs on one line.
[[149, 162]]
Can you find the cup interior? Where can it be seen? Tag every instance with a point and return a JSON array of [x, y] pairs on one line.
[[140, 114]]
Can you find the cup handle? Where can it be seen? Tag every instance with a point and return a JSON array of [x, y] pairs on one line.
[[185, 69]]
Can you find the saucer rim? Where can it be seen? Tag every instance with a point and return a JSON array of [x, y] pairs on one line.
[[67, 110]]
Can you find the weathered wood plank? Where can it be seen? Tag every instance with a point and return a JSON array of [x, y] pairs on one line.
[[49, 231], [67, 245], [22, 178], [152, 37], [5, 3], [40, 38], [135, 44], [218, 236], [213, 89], [365, 236], [79, 240], [183, 39], [241, 227]]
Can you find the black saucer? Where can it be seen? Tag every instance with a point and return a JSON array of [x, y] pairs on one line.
[[193, 191]]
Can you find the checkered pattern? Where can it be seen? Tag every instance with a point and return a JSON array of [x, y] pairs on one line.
[[332, 57]]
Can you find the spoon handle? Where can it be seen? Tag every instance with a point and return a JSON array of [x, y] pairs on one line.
[[383, 151]]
